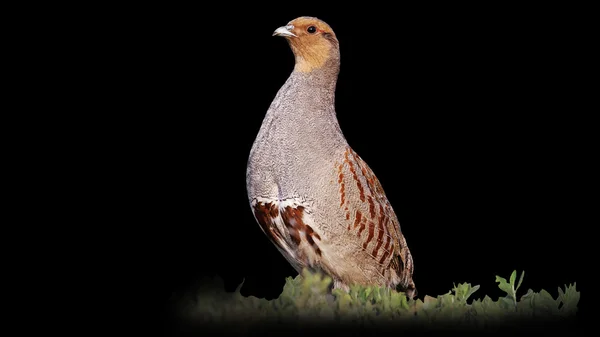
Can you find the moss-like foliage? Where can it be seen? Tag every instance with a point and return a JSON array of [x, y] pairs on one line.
[[308, 298]]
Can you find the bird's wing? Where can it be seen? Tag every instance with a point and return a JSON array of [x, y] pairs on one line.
[[288, 223], [370, 216]]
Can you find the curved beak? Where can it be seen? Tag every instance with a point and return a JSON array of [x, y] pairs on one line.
[[284, 31]]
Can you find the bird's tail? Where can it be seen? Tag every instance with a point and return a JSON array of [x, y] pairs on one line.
[[403, 264]]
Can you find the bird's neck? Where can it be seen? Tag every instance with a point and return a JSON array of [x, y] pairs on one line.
[[317, 85], [312, 93], [318, 59], [302, 114]]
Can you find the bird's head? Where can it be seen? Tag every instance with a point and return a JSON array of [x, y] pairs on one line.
[[312, 41]]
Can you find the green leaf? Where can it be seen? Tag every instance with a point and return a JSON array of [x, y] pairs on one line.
[[503, 285], [419, 307], [471, 291], [477, 307], [395, 300], [561, 295], [544, 302], [463, 291], [569, 299], [524, 307], [429, 302], [307, 296], [367, 292], [528, 295], [506, 303], [520, 280], [513, 277], [546, 295]]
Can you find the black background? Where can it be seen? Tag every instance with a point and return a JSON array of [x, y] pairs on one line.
[[469, 116]]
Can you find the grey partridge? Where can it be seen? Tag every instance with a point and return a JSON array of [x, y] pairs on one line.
[[312, 195]]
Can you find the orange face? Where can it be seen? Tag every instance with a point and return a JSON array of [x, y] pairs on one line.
[[310, 28], [311, 40]]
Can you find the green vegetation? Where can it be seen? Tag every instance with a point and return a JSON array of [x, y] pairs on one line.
[[308, 298]]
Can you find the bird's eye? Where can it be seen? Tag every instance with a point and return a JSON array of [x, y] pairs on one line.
[[311, 29]]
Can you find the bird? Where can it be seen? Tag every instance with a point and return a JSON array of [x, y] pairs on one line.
[[313, 196]]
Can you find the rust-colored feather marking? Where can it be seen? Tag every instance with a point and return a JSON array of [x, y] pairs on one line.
[[371, 233], [383, 220], [379, 240], [270, 213], [265, 214], [292, 217], [362, 227], [371, 207], [311, 232], [386, 249], [293, 220], [310, 236], [341, 183], [358, 218], [355, 176]]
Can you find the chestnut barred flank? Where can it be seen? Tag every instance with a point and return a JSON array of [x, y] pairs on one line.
[[379, 217]]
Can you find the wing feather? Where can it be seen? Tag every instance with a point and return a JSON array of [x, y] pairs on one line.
[[371, 210]]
